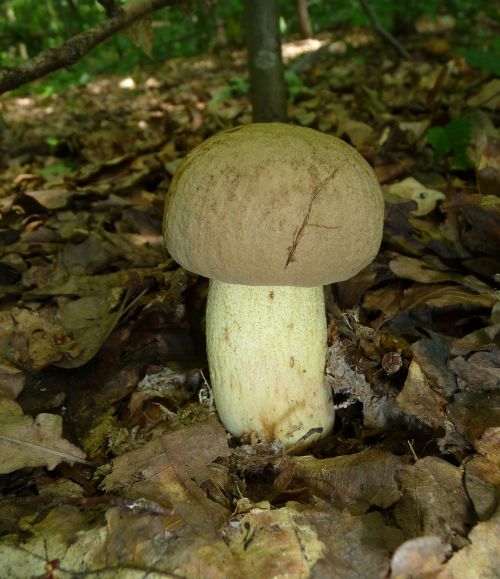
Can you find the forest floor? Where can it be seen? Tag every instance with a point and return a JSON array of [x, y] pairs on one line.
[[113, 461]]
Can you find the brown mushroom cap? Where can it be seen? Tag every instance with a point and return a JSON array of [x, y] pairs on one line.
[[274, 204]]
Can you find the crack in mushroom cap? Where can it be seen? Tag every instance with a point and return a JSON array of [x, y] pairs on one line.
[[274, 204]]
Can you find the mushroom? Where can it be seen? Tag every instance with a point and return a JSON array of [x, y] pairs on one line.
[[271, 213]]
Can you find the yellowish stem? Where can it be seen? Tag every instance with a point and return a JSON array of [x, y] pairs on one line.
[[266, 351]]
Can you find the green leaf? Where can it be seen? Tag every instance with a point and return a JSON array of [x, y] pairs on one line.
[[56, 169], [52, 141], [452, 139], [486, 60], [439, 140]]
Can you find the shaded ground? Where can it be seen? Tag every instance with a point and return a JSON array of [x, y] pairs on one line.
[[112, 456]]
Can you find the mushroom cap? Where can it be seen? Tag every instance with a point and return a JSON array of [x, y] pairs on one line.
[[274, 204]]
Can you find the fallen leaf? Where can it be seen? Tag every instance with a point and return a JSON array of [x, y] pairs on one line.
[[431, 270], [482, 481], [272, 543], [88, 321], [419, 557], [360, 134], [482, 473], [432, 355], [487, 97], [480, 558], [474, 412], [51, 198], [478, 372], [418, 399], [355, 546], [12, 380], [170, 469], [425, 198], [434, 501], [25, 442], [356, 481]]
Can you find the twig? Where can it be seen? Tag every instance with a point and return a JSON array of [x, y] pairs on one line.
[[415, 457], [139, 505], [299, 231], [382, 31]]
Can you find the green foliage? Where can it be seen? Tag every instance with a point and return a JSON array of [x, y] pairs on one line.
[[452, 140], [392, 15], [28, 27], [41, 25], [57, 169], [487, 60], [295, 87], [237, 86]]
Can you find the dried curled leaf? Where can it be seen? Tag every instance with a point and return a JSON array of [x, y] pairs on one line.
[[358, 480]]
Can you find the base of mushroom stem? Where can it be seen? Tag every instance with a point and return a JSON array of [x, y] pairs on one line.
[[266, 350]]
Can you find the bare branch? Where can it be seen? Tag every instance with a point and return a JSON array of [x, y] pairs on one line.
[[78, 46], [382, 31]]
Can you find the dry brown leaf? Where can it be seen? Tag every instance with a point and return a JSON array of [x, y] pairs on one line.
[[273, 544], [485, 338], [432, 355], [419, 557], [25, 442], [89, 321], [141, 33], [358, 481], [169, 470], [89, 256], [434, 501], [52, 198], [360, 134], [12, 380], [425, 198], [91, 285], [135, 540], [482, 481], [441, 296], [488, 96], [478, 372], [65, 535], [355, 546], [473, 412], [480, 558], [418, 399], [428, 271], [482, 473]]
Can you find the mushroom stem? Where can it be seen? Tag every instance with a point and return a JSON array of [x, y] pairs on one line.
[[266, 350]]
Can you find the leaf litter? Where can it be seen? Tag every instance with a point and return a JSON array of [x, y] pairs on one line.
[[101, 339]]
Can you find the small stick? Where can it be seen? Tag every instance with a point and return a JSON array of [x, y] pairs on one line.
[[139, 505], [382, 31]]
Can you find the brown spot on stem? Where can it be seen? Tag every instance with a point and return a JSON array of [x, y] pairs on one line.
[[292, 362], [271, 295]]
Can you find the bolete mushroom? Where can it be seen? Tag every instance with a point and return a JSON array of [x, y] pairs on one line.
[[271, 213]]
